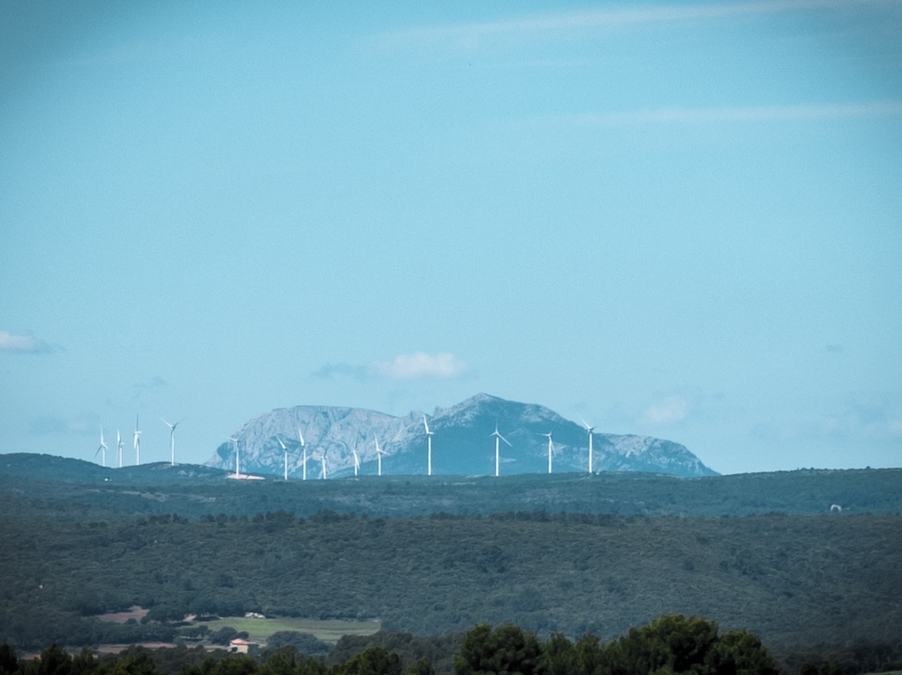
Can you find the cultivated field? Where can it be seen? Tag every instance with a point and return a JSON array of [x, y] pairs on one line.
[[259, 630]]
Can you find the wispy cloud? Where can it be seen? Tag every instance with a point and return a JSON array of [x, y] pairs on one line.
[[140, 389], [421, 365], [863, 417], [666, 412], [24, 344], [738, 114], [57, 425], [330, 371], [470, 34], [418, 365]]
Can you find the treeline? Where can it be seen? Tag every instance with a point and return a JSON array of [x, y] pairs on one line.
[[668, 645], [132, 492]]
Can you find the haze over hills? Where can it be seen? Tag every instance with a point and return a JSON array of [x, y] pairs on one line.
[[461, 444]]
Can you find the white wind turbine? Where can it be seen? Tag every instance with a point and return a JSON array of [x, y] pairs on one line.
[[303, 452], [119, 445], [101, 449], [428, 447], [234, 440], [356, 461], [171, 439], [136, 442], [285, 454], [498, 438], [324, 473], [589, 429], [550, 450], [379, 453]]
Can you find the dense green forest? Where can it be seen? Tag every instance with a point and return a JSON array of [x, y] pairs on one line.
[[668, 644], [793, 579], [569, 554]]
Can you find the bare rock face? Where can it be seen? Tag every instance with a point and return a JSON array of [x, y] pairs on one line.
[[461, 443]]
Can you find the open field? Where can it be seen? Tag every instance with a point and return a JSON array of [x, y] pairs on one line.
[[260, 630], [133, 612]]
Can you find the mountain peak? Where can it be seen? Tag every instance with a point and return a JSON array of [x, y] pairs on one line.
[[461, 443]]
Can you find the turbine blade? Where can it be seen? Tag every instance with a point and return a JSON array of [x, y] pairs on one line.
[[505, 440]]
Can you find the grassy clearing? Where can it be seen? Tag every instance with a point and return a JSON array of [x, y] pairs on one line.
[[133, 612], [259, 630]]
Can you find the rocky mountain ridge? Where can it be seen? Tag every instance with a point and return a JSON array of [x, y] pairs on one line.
[[461, 442]]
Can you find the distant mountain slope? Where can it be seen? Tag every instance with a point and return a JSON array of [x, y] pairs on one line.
[[461, 442]]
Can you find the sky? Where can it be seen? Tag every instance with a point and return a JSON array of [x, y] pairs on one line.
[[678, 219]]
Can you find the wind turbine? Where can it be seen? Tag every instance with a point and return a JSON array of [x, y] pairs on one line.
[[428, 447], [234, 440], [285, 453], [304, 451], [322, 457], [379, 453], [136, 442], [498, 438], [589, 428], [119, 445], [101, 449], [171, 439], [550, 450], [356, 461]]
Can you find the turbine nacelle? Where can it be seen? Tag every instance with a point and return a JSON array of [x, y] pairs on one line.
[[497, 434]]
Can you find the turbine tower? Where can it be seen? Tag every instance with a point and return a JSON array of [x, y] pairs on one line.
[[234, 440], [589, 429], [119, 445], [303, 452], [428, 447], [498, 438], [285, 454], [171, 440], [101, 449], [324, 473], [550, 450], [356, 461], [136, 442], [379, 453]]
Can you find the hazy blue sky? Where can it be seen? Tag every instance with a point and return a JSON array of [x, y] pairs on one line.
[[679, 219]]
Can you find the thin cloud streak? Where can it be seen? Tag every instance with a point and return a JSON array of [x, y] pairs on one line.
[[418, 365], [762, 113], [608, 18], [667, 412], [24, 344]]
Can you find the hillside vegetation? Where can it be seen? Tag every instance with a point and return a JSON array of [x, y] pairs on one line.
[[798, 580], [69, 488]]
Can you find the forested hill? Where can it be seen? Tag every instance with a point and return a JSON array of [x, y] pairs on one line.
[[795, 580], [67, 486]]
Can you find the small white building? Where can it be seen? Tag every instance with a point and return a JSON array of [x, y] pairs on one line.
[[239, 646]]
